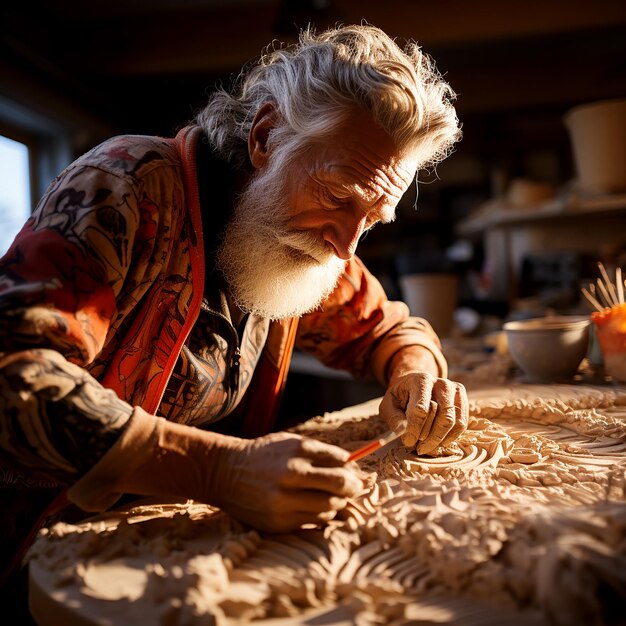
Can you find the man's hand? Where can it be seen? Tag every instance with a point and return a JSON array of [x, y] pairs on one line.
[[277, 483], [281, 481], [435, 409]]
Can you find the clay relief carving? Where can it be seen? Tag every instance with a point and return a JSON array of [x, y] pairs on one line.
[[522, 520]]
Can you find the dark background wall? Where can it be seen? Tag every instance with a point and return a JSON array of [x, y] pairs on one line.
[[145, 66], [97, 68]]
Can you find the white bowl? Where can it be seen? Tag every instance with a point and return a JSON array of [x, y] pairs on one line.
[[548, 349]]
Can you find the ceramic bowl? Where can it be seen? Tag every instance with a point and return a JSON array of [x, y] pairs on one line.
[[548, 349]]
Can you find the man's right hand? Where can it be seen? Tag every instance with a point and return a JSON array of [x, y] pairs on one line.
[[275, 483], [281, 481]]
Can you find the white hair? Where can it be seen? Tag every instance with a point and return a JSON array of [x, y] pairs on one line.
[[314, 84]]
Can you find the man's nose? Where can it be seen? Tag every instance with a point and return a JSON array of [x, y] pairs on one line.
[[344, 234]]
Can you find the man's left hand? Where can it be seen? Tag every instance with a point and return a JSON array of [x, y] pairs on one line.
[[435, 410]]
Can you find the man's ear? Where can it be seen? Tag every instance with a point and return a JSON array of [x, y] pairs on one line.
[[262, 124]]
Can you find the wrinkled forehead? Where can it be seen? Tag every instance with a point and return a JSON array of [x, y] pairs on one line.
[[372, 180], [371, 151], [360, 159]]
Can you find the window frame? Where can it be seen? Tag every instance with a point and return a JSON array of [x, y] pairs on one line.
[[31, 143]]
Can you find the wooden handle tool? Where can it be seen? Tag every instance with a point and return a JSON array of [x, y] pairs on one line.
[[376, 444]]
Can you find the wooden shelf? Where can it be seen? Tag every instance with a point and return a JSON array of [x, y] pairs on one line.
[[498, 213]]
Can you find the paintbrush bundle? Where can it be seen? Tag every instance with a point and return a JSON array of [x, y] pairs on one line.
[[609, 318]]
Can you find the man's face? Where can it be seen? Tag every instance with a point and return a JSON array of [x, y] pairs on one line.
[[299, 219], [343, 186]]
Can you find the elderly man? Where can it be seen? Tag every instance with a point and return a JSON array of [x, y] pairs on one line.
[[162, 284]]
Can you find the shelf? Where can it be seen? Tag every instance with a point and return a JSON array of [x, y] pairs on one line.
[[498, 213]]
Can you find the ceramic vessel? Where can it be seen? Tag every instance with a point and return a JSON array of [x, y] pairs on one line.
[[548, 349], [433, 297], [598, 136]]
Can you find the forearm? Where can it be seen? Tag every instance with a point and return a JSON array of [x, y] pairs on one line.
[[410, 360], [411, 346], [56, 418], [159, 458], [277, 482]]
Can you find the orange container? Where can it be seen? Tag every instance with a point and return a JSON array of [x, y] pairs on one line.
[[610, 325]]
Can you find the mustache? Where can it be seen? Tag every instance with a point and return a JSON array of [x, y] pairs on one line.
[[306, 243]]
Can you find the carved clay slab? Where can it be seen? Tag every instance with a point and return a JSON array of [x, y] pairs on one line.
[[522, 522]]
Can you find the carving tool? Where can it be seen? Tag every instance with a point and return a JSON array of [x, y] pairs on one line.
[[392, 435], [376, 444]]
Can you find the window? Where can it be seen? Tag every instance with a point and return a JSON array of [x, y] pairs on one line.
[[15, 189], [34, 148]]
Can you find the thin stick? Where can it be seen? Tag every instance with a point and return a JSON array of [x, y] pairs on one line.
[[592, 300], [597, 295], [620, 285], [605, 294], [609, 283]]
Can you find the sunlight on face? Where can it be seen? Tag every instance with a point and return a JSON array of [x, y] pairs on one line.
[[274, 271]]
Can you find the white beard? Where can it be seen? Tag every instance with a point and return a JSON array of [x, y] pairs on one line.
[[271, 271]]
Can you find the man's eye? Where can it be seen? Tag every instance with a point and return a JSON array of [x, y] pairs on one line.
[[333, 200]]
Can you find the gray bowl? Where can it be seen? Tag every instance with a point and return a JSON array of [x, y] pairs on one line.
[[548, 349]]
